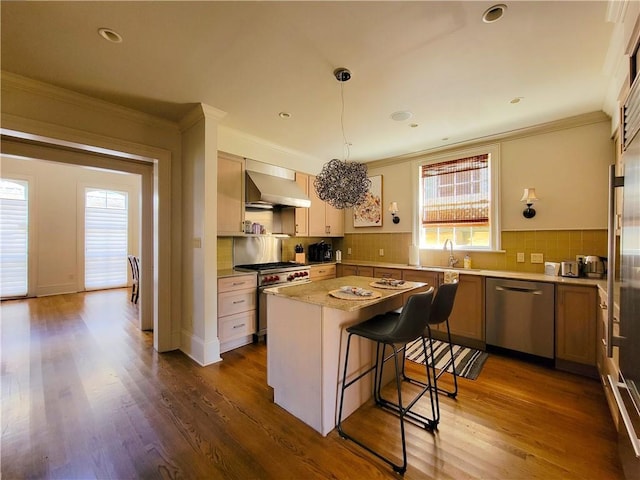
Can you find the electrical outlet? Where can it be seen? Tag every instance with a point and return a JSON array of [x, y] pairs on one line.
[[537, 258], [381, 252], [349, 251], [520, 257]]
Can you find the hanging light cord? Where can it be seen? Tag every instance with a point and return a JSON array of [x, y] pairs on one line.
[[345, 147]]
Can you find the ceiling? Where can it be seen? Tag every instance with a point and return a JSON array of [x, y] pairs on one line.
[[457, 74]]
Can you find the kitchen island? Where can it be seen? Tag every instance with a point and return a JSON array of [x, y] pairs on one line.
[[306, 345]]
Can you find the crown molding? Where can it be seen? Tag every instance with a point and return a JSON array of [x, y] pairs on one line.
[[565, 123], [11, 81], [201, 111]]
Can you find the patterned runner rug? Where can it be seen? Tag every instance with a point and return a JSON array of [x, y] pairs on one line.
[[468, 361]]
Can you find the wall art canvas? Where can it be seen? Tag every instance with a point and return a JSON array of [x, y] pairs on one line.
[[369, 212]]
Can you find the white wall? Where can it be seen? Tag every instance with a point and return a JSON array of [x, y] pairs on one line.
[[56, 237], [566, 165]]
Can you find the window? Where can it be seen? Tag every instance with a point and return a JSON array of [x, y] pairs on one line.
[[14, 237], [458, 201], [106, 239]]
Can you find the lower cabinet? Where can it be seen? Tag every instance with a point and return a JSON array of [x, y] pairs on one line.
[[576, 308], [322, 272], [394, 273], [344, 270], [467, 317], [237, 297], [607, 366]]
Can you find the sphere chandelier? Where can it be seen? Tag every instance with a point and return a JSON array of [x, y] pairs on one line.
[[341, 183]]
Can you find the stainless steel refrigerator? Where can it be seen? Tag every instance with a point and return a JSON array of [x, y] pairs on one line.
[[627, 388]]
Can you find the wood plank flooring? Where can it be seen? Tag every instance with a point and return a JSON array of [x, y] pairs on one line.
[[84, 395]]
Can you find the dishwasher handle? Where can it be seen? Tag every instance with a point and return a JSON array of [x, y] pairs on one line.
[[533, 291]]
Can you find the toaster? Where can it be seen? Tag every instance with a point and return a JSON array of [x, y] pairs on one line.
[[569, 269]]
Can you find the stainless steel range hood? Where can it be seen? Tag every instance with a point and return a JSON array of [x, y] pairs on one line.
[[269, 186]]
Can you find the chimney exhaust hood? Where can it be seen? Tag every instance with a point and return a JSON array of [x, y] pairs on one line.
[[269, 186]]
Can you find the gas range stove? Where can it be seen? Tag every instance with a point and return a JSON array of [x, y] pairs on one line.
[[278, 273]]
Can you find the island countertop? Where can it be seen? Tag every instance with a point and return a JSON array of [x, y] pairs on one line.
[[317, 293]]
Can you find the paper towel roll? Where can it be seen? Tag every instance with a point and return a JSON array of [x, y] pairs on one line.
[[414, 255]]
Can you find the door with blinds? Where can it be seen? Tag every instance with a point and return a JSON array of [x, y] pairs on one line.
[[14, 237], [105, 238]]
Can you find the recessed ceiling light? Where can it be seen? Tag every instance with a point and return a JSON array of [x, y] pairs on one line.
[[284, 115], [110, 35], [493, 14], [401, 116]]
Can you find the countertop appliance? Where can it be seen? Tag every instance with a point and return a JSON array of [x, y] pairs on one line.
[[569, 269], [626, 389], [264, 256], [594, 266], [320, 252], [520, 316]]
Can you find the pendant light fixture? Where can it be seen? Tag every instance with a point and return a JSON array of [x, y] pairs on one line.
[[341, 183]]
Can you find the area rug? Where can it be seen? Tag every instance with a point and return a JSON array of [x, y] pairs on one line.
[[468, 361]]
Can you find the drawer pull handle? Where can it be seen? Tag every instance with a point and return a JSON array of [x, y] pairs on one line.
[[239, 326], [603, 306], [235, 284], [238, 301]]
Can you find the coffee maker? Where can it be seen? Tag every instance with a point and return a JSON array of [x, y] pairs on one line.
[[320, 252]]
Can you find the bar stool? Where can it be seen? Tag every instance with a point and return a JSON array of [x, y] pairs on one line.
[[391, 329], [440, 312]]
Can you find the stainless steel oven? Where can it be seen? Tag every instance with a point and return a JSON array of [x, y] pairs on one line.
[[263, 254], [271, 275]]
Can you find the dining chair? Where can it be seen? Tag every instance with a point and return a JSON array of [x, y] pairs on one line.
[[134, 263]]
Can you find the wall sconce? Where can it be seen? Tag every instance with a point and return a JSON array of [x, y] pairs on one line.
[[393, 208], [529, 196]]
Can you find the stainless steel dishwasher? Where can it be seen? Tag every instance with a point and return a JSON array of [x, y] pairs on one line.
[[520, 316]]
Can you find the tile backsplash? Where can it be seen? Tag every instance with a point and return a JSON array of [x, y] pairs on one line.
[[554, 245]]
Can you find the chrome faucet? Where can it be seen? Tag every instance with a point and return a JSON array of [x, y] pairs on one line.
[[452, 260]]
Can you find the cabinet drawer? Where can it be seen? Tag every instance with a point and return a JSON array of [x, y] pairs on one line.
[[238, 282], [365, 271], [321, 272], [233, 302], [236, 326], [387, 273]]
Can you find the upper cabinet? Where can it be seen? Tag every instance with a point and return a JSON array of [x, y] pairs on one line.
[[296, 221], [230, 195], [324, 220]]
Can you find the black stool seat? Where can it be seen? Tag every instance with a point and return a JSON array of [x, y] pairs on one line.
[[440, 312], [394, 330]]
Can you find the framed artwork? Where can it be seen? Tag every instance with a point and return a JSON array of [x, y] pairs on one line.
[[369, 212]]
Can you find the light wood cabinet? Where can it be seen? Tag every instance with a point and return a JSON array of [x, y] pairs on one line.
[[380, 272], [576, 308], [344, 270], [295, 221], [432, 279], [322, 272], [324, 220], [606, 366], [467, 317], [236, 311], [230, 195]]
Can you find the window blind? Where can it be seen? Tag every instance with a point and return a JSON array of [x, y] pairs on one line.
[[456, 192], [106, 239], [14, 238]]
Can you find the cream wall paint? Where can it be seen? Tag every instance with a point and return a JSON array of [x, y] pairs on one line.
[[56, 223], [239, 143], [567, 166], [60, 117], [569, 170]]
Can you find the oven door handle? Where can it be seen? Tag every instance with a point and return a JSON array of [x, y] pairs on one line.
[[624, 413]]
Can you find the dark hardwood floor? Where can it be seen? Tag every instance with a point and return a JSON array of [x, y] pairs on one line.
[[84, 395]]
